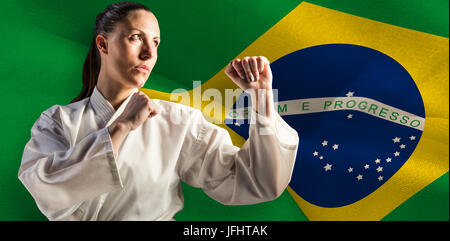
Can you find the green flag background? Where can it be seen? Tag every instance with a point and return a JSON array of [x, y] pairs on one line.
[[44, 44]]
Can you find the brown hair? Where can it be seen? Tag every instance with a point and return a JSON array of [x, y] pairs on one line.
[[104, 23]]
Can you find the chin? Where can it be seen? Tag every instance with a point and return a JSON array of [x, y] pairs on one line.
[[139, 82], [136, 81]]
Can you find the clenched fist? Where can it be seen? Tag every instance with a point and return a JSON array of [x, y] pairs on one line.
[[253, 75], [251, 72], [137, 111], [139, 108]]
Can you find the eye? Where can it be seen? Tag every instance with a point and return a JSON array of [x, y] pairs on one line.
[[135, 37], [156, 43]]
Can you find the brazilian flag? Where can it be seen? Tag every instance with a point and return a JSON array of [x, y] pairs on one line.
[[365, 84]]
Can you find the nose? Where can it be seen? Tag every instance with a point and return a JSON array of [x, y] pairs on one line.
[[147, 51]]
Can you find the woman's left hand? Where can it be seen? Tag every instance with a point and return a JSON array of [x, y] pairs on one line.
[[253, 75], [251, 72]]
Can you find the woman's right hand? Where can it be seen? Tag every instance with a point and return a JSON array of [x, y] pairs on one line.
[[139, 108]]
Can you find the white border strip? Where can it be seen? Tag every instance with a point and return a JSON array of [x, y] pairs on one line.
[[362, 104]]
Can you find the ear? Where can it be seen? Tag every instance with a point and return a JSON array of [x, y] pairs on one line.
[[102, 43]]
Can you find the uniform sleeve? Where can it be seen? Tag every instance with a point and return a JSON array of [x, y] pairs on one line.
[[259, 171], [61, 176]]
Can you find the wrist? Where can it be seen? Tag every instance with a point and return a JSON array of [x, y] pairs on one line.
[[120, 126], [262, 102]]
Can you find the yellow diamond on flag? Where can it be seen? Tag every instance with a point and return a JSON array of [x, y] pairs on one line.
[[424, 56]]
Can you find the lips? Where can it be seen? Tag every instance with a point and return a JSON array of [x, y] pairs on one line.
[[143, 68]]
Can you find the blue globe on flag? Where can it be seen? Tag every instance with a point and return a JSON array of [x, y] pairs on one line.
[[359, 116]]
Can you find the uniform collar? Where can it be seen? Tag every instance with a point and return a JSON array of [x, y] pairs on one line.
[[104, 109]]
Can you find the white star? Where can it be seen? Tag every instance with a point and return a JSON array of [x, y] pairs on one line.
[[379, 169], [412, 138], [350, 94], [315, 153], [335, 146], [402, 146], [237, 124], [377, 161], [380, 178], [349, 116], [396, 139], [397, 153], [350, 169], [366, 166], [327, 167], [324, 143], [359, 177], [321, 157], [388, 159]]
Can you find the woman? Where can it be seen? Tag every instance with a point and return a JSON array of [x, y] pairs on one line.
[[114, 153]]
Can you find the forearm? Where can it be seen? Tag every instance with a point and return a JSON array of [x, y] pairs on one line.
[[118, 131], [60, 176], [262, 102]]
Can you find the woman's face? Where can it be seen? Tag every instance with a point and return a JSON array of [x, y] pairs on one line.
[[132, 49]]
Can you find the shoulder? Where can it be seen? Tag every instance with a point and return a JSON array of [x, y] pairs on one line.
[[176, 110], [191, 118], [59, 114]]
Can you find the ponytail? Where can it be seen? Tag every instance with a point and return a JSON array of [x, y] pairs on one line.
[[91, 69], [104, 23]]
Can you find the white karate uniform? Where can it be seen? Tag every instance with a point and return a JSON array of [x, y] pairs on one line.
[[69, 167]]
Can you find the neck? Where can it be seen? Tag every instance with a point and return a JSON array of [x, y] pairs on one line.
[[113, 91]]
